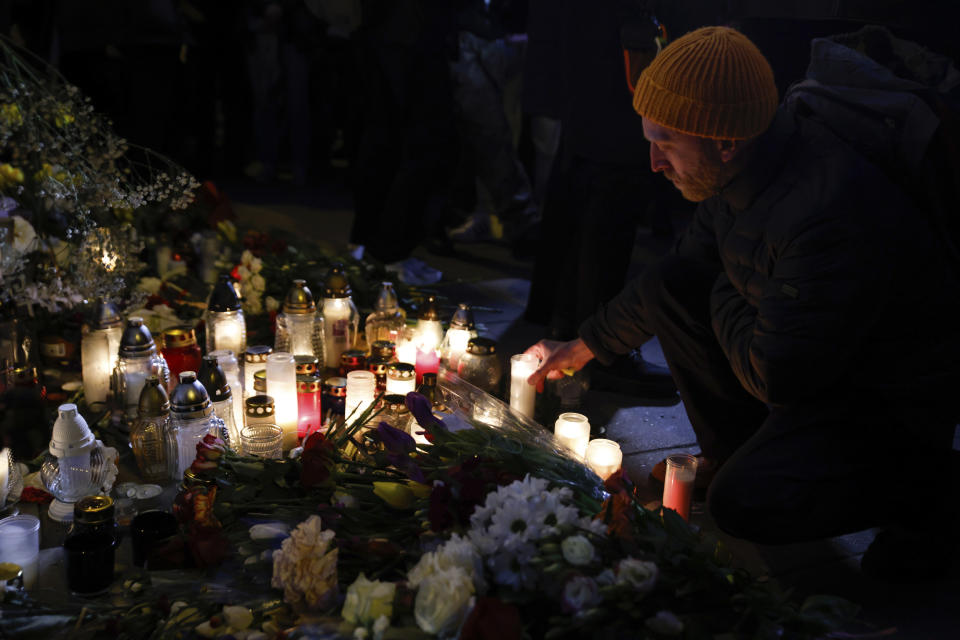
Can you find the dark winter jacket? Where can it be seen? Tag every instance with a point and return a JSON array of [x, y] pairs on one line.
[[828, 278]]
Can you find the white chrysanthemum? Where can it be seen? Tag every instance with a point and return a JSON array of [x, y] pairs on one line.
[[511, 522]]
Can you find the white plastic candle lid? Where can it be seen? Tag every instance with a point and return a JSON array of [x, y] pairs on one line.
[[71, 435]]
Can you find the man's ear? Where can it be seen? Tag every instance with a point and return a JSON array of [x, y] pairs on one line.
[[728, 149]]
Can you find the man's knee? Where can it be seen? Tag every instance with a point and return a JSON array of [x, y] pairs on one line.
[[744, 506]]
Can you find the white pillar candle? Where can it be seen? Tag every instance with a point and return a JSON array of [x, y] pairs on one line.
[[361, 392], [96, 363], [282, 387], [572, 430], [337, 330], [523, 396], [604, 457]]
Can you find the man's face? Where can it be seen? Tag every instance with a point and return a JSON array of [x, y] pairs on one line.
[[694, 165]]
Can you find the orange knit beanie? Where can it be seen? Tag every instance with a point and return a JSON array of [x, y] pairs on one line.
[[712, 83]]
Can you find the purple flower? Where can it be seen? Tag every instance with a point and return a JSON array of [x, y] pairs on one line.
[[396, 441], [399, 446], [422, 410]]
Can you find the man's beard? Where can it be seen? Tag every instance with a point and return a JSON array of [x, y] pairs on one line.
[[706, 179]]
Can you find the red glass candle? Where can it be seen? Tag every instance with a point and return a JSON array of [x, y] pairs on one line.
[[309, 415], [428, 361], [181, 351], [352, 360]]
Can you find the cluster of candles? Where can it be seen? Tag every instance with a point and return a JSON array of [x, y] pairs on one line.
[[311, 337]]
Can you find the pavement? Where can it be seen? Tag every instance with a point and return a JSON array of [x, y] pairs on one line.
[[487, 276]]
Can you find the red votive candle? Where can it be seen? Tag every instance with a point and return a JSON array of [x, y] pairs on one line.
[[181, 351], [678, 483], [428, 361], [309, 416]]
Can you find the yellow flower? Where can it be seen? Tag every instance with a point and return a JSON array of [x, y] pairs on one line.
[[228, 229], [9, 175], [419, 489], [10, 115], [395, 494], [63, 117]]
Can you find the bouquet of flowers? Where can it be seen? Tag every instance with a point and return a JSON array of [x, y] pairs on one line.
[[488, 531], [69, 190]]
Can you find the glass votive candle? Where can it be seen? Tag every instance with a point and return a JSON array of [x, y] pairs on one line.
[[401, 378], [361, 392], [523, 396], [428, 361], [262, 440], [20, 545], [334, 395], [678, 483], [572, 430], [604, 457], [352, 360], [254, 359], [282, 387]]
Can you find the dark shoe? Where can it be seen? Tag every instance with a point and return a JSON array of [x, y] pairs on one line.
[[901, 555], [632, 375], [706, 470]]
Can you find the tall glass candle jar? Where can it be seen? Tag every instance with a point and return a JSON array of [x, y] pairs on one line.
[[214, 380], [90, 546], [679, 483], [95, 362], [335, 395], [428, 361], [138, 359], [340, 318], [180, 350], [226, 327], [459, 333], [401, 378], [282, 386], [388, 319], [298, 325], [309, 414], [148, 433], [99, 351], [254, 359], [191, 418], [523, 396], [480, 365], [381, 355], [231, 369]]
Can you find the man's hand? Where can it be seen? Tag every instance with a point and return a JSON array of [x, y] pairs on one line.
[[555, 356]]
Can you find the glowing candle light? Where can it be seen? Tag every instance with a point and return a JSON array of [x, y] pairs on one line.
[[572, 430], [604, 457], [523, 396], [678, 483], [361, 392], [282, 387]]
